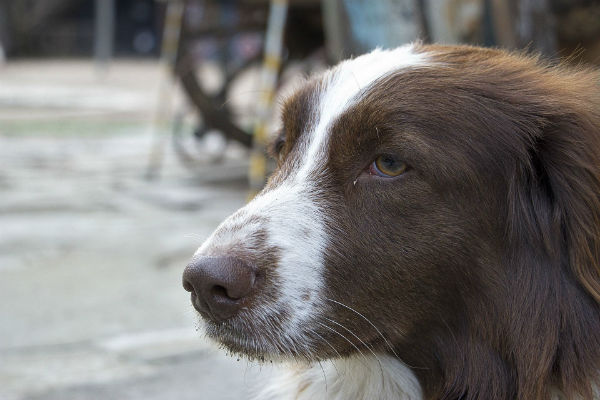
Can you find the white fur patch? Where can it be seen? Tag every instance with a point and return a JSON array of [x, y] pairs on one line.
[[356, 378]]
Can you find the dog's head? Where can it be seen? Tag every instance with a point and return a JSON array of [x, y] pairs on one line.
[[439, 203]]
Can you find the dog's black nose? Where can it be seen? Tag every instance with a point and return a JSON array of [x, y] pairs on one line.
[[219, 285]]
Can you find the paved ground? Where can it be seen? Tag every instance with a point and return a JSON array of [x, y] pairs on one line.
[[91, 253]]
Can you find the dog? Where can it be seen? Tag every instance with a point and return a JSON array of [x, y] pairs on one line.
[[431, 231]]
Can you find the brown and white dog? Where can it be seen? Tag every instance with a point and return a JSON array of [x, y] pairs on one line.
[[432, 231]]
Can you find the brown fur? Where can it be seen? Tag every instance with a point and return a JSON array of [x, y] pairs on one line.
[[481, 263]]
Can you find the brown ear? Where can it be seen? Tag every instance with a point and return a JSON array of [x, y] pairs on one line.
[[568, 165]]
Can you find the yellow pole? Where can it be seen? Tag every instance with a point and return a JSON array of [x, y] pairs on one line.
[[270, 70], [168, 57]]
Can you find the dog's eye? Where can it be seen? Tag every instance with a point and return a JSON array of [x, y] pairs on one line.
[[387, 166], [276, 147]]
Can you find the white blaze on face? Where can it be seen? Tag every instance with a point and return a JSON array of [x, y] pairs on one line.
[[345, 85], [290, 214]]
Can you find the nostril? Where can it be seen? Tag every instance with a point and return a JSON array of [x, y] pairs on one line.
[[220, 291]]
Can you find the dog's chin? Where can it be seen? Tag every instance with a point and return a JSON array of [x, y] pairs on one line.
[[239, 343], [245, 338], [258, 344], [254, 343]]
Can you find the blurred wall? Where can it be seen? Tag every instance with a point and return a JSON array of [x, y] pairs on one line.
[[33, 28]]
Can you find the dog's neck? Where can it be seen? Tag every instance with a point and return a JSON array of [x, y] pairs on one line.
[[359, 377], [512, 360]]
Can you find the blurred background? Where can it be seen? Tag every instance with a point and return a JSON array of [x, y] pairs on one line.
[[130, 128]]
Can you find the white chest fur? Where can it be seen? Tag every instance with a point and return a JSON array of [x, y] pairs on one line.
[[360, 378]]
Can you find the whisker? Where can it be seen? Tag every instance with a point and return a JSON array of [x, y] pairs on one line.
[[378, 331], [345, 338], [360, 340], [324, 376], [369, 321], [326, 341], [350, 332], [330, 345]]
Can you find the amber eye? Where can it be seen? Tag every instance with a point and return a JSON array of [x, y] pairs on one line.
[[387, 166]]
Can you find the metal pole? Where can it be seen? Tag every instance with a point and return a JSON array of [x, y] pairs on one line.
[[168, 58], [104, 32], [334, 29]]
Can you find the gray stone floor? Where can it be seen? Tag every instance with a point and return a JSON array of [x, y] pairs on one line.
[[91, 253]]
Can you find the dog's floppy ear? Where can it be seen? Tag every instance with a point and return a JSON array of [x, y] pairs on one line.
[[572, 162], [564, 171]]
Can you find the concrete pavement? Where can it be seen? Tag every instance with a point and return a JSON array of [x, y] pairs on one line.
[[91, 254]]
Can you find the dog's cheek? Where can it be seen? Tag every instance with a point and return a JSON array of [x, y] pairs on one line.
[[387, 258]]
